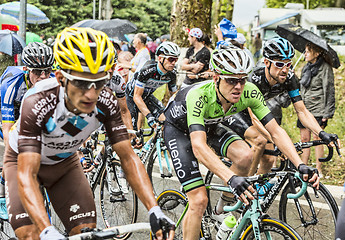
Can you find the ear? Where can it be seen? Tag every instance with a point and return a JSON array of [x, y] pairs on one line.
[[266, 62], [59, 77], [25, 68]]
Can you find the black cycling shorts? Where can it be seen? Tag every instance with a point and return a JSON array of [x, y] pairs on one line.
[[155, 106], [67, 188], [186, 166]]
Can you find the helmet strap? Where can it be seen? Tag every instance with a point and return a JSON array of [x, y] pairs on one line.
[[218, 83], [162, 63]]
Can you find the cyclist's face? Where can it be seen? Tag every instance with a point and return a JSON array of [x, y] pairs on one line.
[[278, 74], [231, 86], [168, 62], [36, 75], [83, 100]]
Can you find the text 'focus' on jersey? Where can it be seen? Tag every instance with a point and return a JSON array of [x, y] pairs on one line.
[[150, 78], [47, 127], [290, 85], [196, 106]]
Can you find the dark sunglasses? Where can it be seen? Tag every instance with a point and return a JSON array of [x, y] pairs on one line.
[[234, 80], [171, 59], [281, 64], [86, 85], [40, 71]]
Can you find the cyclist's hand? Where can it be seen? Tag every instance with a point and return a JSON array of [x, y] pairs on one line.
[[309, 174], [151, 120], [240, 188], [329, 138], [50, 233], [161, 226]]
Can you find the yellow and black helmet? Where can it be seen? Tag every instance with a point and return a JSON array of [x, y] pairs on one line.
[[84, 50]]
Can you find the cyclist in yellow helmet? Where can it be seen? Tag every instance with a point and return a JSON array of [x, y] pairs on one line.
[[55, 120]]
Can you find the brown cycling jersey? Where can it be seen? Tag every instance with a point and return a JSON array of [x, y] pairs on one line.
[[47, 127]]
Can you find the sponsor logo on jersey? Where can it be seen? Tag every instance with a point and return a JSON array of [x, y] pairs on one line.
[[22, 215], [74, 208], [82, 215], [64, 145], [199, 105], [118, 127], [174, 153], [254, 94], [108, 100], [178, 111], [43, 106]]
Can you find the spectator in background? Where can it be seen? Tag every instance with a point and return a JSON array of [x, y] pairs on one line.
[[318, 94], [124, 46], [124, 56], [257, 46], [5, 61], [141, 57], [207, 42], [152, 46], [196, 60]]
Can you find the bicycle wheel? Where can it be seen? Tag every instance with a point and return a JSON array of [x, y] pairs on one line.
[[271, 229], [6, 231], [118, 202], [319, 226], [160, 182]]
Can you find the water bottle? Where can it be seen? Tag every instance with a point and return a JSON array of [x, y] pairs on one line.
[[225, 229]]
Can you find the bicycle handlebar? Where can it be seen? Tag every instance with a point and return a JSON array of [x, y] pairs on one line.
[[111, 232], [301, 145], [256, 178]]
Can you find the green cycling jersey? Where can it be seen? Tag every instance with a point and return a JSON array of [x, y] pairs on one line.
[[197, 106]]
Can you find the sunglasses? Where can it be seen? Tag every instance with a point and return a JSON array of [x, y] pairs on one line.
[[281, 64], [234, 80], [87, 83], [170, 59], [40, 71]]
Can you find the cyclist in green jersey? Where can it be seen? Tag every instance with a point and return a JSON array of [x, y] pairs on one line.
[[194, 125]]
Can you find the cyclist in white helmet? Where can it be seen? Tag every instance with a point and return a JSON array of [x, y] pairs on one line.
[[193, 126]]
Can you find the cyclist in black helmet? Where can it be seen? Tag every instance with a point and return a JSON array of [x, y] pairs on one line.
[[152, 75]]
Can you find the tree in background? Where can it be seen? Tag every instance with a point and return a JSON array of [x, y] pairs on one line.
[[189, 14], [312, 3]]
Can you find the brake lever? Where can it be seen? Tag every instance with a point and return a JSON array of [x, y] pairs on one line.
[[337, 148]]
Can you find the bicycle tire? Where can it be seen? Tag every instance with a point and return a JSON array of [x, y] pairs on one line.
[[173, 204], [117, 208], [326, 210], [159, 183], [277, 230], [6, 230]]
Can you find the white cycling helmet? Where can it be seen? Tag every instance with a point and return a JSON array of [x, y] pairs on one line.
[[231, 60], [168, 49]]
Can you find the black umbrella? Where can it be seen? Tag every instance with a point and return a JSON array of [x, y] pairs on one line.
[[114, 28], [299, 37]]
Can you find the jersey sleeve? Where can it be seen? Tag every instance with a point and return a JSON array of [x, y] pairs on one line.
[[10, 84], [143, 75], [196, 103], [257, 103], [110, 116]]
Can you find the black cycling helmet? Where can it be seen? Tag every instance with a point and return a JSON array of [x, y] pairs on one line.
[[37, 55], [168, 49], [278, 48]]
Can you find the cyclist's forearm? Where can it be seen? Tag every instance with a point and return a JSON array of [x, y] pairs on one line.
[[141, 105], [284, 143], [29, 190], [6, 127]]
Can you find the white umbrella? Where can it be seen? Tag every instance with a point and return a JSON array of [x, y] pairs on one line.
[[34, 15]]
